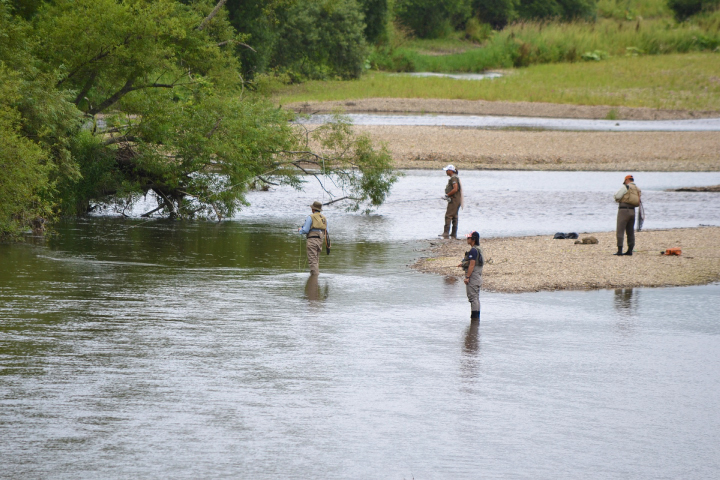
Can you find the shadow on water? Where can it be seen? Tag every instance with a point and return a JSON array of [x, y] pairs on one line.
[[626, 302]]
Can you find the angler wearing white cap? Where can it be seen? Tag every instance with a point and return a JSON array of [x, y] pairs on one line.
[[454, 196]]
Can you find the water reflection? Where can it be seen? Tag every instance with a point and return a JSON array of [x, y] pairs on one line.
[[313, 292], [472, 338], [626, 301]]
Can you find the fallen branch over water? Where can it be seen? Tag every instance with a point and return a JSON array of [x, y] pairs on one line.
[[531, 264]]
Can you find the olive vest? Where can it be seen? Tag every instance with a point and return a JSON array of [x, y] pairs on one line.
[[450, 185], [632, 197], [319, 222]]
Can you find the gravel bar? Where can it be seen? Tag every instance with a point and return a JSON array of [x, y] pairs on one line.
[[540, 263]]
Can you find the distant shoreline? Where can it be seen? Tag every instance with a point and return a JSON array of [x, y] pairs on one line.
[[540, 263], [501, 108], [422, 147]]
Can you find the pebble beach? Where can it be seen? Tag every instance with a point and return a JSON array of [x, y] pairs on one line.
[[541, 263]]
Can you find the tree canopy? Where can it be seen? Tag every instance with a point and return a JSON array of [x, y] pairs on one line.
[[103, 101]]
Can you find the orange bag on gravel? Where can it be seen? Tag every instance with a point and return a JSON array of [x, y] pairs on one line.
[[672, 251]]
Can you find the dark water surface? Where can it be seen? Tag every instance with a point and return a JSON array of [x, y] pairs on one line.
[[158, 349]]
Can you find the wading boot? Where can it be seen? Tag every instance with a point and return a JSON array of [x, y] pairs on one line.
[[475, 315], [630, 249], [453, 233], [619, 252], [446, 232]]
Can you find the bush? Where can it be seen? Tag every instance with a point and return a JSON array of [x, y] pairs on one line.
[[433, 18], [563, 9], [683, 9], [321, 38], [497, 13]]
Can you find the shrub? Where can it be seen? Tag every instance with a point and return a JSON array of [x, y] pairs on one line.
[[497, 13], [433, 18], [683, 9]]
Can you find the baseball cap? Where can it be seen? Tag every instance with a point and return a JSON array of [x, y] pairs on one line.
[[450, 167]]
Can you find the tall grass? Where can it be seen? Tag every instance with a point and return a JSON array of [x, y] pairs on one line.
[[689, 81], [530, 43]]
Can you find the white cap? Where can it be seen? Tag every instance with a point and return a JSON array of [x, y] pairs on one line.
[[450, 167]]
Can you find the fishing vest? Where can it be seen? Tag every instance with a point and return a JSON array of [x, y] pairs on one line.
[[449, 186], [632, 196], [319, 222], [465, 264]]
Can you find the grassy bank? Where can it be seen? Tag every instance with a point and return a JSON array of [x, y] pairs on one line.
[[531, 43], [689, 81]]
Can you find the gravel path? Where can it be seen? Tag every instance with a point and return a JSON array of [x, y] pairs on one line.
[[482, 107], [530, 264], [432, 147]]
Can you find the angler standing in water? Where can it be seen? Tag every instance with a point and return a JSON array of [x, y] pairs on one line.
[[628, 198], [316, 230], [454, 196], [473, 264]]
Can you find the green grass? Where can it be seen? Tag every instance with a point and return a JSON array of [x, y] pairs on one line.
[[689, 81], [531, 43]]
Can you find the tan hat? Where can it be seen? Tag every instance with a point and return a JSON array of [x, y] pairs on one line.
[[317, 206]]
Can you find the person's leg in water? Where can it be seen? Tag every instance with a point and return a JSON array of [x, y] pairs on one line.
[[473, 293], [314, 247]]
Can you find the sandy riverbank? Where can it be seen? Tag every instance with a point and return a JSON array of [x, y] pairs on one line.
[[530, 264], [482, 107], [434, 147]]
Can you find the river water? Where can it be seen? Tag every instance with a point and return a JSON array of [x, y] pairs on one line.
[[537, 123], [158, 349]]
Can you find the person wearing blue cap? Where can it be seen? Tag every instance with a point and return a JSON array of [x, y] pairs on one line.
[[453, 194], [473, 264]]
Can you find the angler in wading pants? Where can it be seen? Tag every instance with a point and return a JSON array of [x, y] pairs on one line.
[[628, 198], [316, 230], [454, 196], [473, 265]]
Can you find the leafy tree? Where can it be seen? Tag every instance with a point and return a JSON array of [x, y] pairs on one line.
[[168, 113], [321, 38], [564, 9], [376, 18], [23, 167], [432, 18], [684, 9], [497, 13]]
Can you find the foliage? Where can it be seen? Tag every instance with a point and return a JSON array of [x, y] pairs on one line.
[[23, 165], [497, 13], [674, 81], [376, 14], [560, 9], [102, 102], [320, 39], [684, 9], [523, 44], [306, 39], [433, 18]]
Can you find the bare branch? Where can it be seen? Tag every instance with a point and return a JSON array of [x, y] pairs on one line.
[[222, 44], [120, 139], [147, 214], [341, 198], [268, 182], [115, 97], [214, 12], [214, 129]]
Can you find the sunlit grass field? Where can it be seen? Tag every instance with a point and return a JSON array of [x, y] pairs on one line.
[[675, 81]]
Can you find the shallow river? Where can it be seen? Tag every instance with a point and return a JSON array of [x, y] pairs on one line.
[[541, 123], [159, 349]]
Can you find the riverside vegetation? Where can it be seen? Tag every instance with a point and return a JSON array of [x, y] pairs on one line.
[[102, 102]]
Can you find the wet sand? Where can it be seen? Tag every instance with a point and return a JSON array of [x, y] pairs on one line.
[[432, 147], [482, 107], [531, 264]]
